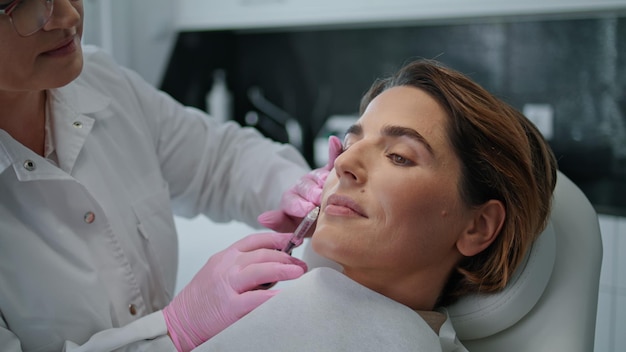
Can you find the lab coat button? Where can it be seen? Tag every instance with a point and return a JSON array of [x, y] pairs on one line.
[[132, 309], [89, 217], [29, 165], [77, 124]]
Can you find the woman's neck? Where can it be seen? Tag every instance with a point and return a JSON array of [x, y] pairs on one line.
[[418, 290], [23, 116]]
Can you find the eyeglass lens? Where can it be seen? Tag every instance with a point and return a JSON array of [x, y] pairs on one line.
[[29, 16]]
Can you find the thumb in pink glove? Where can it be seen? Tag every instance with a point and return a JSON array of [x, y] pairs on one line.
[[305, 195], [224, 290]]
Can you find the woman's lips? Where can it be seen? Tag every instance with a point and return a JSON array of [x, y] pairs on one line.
[[343, 206], [68, 46]]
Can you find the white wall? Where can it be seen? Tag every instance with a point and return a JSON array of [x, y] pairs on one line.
[[238, 14], [139, 33]]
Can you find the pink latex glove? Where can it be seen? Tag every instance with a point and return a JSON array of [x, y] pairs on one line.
[[305, 195], [225, 289]]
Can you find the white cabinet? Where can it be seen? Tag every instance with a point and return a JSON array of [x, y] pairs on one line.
[[248, 14]]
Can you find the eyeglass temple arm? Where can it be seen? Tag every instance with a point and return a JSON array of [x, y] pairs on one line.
[[8, 8]]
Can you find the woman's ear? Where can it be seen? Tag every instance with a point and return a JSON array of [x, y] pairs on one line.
[[483, 229]]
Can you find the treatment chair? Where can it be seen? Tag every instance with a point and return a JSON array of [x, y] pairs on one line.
[[551, 302]]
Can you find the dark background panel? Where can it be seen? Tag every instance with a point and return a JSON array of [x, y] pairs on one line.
[[577, 66]]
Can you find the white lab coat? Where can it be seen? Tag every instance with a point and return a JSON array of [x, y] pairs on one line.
[[90, 245]]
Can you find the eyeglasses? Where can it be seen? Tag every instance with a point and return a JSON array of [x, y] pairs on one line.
[[28, 16]]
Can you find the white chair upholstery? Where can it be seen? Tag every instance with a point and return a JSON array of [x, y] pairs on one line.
[[551, 302], [563, 315]]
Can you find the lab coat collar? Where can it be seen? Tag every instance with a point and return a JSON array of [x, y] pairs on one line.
[[75, 109], [27, 165], [5, 157]]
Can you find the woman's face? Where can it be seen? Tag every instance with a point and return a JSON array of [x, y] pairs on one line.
[[50, 58], [391, 210]]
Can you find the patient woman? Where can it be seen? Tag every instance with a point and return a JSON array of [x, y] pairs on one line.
[[439, 192]]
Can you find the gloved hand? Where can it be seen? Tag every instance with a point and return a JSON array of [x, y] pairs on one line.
[[224, 290], [297, 201]]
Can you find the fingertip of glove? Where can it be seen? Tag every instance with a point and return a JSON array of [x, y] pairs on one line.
[[335, 145], [334, 140], [270, 218]]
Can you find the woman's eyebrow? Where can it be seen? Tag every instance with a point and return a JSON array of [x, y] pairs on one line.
[[355, 129], [399, 131]]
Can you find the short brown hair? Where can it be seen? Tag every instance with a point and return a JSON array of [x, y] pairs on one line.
[[503, 157]]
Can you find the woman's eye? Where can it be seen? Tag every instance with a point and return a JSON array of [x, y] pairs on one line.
[[400, 160]]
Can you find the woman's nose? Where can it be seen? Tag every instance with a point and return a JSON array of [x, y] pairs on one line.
[[65, 14], [350, 166]]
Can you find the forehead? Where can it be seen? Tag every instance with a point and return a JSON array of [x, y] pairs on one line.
[[410, 107]]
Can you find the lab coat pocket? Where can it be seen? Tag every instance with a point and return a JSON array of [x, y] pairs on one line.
[[155, 224]]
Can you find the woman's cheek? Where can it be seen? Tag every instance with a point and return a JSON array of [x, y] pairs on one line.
[[322, 241]]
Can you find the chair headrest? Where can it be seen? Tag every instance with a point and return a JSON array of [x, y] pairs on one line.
[[481, 315]]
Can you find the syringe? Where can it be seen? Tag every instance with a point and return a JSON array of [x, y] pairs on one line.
[[297, 237], [302, 229]]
